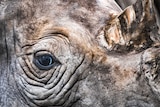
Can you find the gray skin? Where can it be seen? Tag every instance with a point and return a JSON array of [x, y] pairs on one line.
[[124, 3], [102, 56]]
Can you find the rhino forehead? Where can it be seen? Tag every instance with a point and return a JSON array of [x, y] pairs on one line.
[[89, 14], [76, 20]]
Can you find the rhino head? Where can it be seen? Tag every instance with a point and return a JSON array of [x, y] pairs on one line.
[[79, 53]]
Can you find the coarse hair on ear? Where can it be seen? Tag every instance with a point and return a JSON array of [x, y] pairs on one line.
[[133, 29]]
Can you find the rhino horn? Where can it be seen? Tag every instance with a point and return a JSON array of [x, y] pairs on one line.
[[134, 29]]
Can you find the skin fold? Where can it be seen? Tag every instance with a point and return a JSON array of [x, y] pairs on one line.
[[79, 53]]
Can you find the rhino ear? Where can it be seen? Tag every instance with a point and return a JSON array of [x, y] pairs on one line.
[[134, 29]]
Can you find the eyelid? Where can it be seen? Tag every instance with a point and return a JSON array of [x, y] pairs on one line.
[[41, 52], [57, 30]]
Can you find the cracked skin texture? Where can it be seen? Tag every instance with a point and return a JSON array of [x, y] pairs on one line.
[[102, 56]]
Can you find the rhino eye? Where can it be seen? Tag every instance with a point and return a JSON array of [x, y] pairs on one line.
[[45, 61]]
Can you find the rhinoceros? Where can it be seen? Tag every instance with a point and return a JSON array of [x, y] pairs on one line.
[[79, 53]]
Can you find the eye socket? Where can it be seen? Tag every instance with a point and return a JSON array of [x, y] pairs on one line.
[[45, 61]]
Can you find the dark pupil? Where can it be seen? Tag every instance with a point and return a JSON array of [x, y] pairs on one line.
[[45, 60]]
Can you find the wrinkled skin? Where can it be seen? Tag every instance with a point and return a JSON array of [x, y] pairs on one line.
[[99, 55]]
